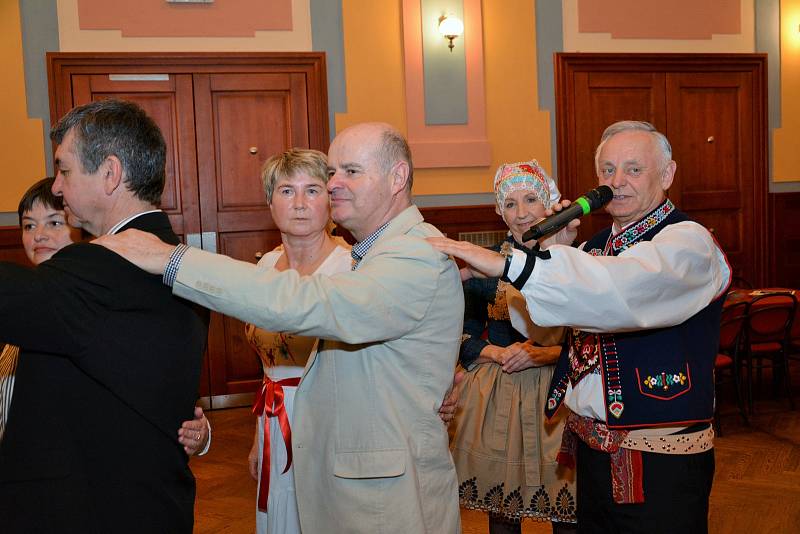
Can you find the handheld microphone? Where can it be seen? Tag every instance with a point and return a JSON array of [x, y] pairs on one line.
[[593, 200]]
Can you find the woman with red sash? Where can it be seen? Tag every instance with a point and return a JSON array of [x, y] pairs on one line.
[[295, 183]]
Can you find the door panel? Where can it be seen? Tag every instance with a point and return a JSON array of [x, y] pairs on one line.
[[242, 120], [708, 116], [602, 99], [167, 103], [258, 123], [241, 365]]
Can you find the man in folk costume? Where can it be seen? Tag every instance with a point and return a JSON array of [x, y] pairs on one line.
[[644, 299]]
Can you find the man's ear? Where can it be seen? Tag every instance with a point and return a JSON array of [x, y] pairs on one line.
[[668, 175], [399, 174], [112, 174]]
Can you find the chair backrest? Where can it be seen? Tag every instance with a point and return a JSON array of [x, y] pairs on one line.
[[770, 317], [795, 330], [733, 320]]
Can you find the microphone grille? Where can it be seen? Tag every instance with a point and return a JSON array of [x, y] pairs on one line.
[[599, 197]]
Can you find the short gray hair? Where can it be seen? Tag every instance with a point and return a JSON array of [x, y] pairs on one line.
[[394, 148], [289, 163], [639, 126], [118, 128]]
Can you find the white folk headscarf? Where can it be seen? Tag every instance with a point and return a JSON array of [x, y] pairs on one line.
[[527, 175]]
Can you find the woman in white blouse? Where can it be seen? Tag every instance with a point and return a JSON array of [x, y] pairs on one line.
[[295, 183]]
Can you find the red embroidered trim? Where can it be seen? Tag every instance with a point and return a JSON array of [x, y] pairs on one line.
[[626, 464], [630, 236]]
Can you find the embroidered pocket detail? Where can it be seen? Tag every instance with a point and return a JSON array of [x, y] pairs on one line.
[[664, 385]]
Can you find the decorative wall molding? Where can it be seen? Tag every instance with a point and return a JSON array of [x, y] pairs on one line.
[[73, 38], [676, 19], [156, 18], [576, 40], [446, 145]]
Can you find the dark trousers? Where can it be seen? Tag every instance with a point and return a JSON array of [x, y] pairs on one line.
[[676, 490], [499, 525]]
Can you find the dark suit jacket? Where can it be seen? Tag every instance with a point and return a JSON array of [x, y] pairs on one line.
[[109, 369]]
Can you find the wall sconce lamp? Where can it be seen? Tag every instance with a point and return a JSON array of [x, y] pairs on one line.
[[451, 27]]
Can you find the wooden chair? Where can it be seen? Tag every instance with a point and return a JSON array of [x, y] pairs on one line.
[[769, 325], [738, 282], [794, 339], [727, 366]]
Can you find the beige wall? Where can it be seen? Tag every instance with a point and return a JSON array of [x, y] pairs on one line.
[[21, 149], [786, 140], [516, 129]]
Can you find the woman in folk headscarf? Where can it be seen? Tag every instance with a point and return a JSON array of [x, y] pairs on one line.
[[504, 449]]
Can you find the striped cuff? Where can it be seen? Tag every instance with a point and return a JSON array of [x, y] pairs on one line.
[[174, 263], [519, 267]]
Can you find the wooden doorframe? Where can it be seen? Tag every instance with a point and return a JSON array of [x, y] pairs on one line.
[[62, 65]]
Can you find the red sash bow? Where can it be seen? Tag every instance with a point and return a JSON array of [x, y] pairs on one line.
[[269, 401]]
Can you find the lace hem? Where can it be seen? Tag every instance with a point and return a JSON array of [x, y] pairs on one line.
[[511, 507]]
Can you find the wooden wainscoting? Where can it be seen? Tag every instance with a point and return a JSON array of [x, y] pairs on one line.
[[11, 245], [455, 220], [784, 257]]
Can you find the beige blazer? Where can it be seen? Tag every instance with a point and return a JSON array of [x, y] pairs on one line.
[[370, 452]]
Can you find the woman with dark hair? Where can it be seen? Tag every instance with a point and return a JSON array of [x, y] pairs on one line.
[[44, 232]]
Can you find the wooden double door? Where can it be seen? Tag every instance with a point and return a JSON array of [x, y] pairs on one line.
[[712, 108], [222, 116]]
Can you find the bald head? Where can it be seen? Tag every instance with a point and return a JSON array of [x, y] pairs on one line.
[[370, 171], [388, 146]]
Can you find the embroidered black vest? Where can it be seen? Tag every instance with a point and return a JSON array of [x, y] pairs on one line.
[[658, 377]]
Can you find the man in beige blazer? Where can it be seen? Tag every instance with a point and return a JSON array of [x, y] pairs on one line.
[[370, 452]]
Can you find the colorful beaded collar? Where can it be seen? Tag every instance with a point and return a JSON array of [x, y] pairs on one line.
[[631, 235]]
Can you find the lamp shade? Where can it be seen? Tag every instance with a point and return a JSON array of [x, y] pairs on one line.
[[451, 26]]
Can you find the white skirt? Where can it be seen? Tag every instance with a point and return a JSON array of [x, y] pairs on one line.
[[281, 516]]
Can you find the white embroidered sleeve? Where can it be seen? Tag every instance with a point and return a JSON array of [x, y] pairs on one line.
[[653, 284]]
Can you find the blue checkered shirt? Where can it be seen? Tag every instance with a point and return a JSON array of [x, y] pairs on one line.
[[361, 248]]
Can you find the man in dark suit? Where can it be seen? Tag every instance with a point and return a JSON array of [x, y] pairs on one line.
[[110, 360]]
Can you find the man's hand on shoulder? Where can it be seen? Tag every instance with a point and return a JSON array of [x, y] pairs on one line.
[[481, 261], [143, 249]]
